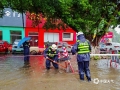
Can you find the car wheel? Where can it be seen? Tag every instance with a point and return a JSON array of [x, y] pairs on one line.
[[13, 52], [33, 52], [40, 53], [6, 51], [110, 49]]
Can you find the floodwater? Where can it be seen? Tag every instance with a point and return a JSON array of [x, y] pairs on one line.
[[14, 77]]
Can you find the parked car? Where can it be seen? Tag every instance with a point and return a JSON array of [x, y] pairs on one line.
[[113, 46], [34, 50], [102, 47], [60, 44], [4, 46], [15, 48], [110, 46]]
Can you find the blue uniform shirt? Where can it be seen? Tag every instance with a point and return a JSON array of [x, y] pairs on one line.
[[46, 52]]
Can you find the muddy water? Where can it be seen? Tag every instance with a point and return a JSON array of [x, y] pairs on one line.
[[14, 77]]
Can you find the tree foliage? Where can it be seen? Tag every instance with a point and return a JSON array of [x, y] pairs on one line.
[[90, 16]]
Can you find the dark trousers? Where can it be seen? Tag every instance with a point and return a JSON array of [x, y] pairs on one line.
[[26, 55], [83, 67], [48, 64]]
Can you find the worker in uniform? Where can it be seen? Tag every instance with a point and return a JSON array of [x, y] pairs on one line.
[[51, 53], [26, 47], [83, 48]]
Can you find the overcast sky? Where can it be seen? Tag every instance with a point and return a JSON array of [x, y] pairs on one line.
[[117, 29]]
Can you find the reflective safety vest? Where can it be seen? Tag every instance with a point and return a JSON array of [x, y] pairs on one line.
[[51, 53], [83, 47]]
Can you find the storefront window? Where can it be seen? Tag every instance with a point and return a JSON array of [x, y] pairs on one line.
[[15, 35], [67, 36], [0, 35], [34, 38]]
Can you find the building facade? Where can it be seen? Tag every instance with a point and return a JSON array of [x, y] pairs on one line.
[[40, 35], [12, 26]]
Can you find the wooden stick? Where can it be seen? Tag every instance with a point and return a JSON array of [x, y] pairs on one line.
[[57, 63]]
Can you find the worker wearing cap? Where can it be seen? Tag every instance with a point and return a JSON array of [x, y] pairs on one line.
[[52, 53], [83, 48]]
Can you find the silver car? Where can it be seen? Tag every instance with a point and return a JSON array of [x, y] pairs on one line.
[[60, 44], [111, 46], [15, 47]]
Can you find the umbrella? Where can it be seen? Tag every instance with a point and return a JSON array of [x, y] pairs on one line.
[[23, 40]]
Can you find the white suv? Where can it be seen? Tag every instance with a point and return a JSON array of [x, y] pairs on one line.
[[112, 46]]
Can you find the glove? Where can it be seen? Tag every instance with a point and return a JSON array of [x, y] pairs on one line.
[[46, 57], [54, 61]]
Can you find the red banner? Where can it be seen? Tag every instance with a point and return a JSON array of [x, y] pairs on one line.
[[106, 37]]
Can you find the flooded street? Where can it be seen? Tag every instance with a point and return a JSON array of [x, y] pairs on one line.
[[14, 77]]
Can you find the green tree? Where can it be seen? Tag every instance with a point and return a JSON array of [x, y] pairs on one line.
[[89, 16]]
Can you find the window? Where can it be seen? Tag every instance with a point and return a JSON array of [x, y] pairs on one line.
[[0, 35], [33, 33], [67, 36], [34, 38], [51, 37], [15, 35]]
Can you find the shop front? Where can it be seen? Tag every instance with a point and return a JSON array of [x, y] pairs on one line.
[[11, 33], [11, 26], [40, 36]]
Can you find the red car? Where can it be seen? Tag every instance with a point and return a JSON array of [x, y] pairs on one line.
[[4, 46]]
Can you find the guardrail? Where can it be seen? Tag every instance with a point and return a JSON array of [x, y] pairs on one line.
[[104, 54], [111, 57], [57, 54]]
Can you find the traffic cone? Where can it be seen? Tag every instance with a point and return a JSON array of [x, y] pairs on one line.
[[66, 64], [69, 67]]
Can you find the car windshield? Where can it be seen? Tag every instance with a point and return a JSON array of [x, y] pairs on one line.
[[108, 44], [16, 42]]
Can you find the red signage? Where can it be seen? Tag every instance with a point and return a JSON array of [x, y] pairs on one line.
[[107, 36]]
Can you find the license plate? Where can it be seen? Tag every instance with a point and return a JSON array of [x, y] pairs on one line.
[[18, 50]]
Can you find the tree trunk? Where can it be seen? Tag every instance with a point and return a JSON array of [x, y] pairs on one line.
[[94, 43], [95, 50]]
